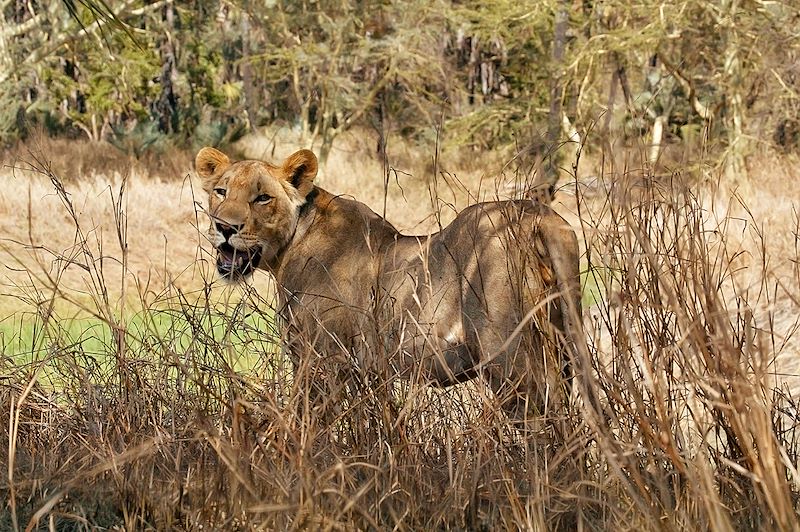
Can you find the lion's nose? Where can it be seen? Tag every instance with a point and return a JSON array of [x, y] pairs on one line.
[[228, 230]]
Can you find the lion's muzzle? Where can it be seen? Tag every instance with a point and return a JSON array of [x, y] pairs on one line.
[[234, 264]]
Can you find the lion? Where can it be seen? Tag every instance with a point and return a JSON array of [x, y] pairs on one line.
[[496, 293]]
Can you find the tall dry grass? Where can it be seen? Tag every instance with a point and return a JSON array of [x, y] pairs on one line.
[[679, 420]]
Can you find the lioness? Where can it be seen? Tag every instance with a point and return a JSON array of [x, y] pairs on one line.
[[495, 293]]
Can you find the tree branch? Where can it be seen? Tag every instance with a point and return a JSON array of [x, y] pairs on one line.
[[368, 100], [50, 47], [24, 27], [704, 111]]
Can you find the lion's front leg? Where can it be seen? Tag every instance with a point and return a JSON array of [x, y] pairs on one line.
[[312, 387]]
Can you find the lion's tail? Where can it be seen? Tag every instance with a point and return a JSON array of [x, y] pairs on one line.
[[563, 250]]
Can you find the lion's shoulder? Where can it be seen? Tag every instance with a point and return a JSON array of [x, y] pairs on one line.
[[338, 240], [348, 220]]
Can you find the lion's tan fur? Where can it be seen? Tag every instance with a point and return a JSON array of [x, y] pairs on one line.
[[494, 293]]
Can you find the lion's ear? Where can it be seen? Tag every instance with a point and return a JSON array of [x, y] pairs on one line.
[[210, 162], [300, 169]]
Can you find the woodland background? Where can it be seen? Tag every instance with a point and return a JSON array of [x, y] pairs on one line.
[[720, 79], [140, 392]]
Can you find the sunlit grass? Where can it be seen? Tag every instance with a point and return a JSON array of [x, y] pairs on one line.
[[162, 410], [27, 340]]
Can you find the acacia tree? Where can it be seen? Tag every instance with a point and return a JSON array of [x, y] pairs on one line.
[[523, 55], [500, 72], [505, 46], [55, 61], [711, 65], [725, 77], [130, 74], [330, 65]]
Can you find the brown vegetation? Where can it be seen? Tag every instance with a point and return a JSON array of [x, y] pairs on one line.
[[684, 416], [140, 393]]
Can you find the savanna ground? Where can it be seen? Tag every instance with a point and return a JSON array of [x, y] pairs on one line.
[[141, 393]]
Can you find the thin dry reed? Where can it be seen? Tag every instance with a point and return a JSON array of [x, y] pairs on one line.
[[677, 420]]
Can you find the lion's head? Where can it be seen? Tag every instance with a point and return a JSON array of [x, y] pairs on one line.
[[254, 206]]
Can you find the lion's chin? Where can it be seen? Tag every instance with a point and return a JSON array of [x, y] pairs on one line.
[[234, 264]]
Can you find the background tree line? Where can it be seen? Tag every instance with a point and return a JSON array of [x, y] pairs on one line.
[[722, 77]]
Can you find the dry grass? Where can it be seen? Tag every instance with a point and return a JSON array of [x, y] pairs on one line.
[[680, 419], [76, 161]]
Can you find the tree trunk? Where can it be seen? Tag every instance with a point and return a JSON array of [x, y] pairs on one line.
[[657, 138], [735, 167], [554, 122], [6, 61], [472, 68], [167, 105], [250, 93]]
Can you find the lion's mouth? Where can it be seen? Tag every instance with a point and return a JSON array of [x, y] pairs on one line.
[[234, 263]]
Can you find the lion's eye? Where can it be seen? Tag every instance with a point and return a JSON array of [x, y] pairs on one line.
[[220, 191], [262, 198]]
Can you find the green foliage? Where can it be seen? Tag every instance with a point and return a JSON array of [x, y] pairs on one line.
[[27, 339], [92, 90], [216, 133], [486, 71], [143, 136]]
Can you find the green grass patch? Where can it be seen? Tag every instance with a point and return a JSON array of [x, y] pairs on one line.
[[596, 282], [229, 339]]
